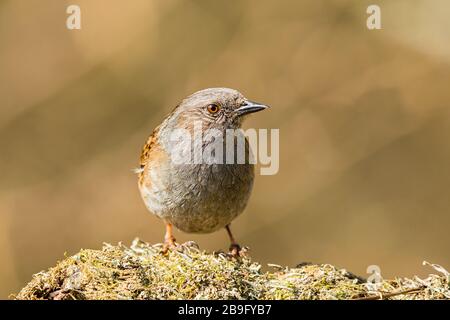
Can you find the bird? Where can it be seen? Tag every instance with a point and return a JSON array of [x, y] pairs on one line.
[[199, 196]]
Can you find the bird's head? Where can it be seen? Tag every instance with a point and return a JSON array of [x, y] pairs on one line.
[[219, 108]]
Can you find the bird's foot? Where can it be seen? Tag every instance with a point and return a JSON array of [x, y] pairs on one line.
[[169, 243], [236, 251]]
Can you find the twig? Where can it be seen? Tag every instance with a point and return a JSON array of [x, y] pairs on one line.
[[392, 294]]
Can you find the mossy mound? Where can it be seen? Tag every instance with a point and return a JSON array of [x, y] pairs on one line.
[[143, 272]]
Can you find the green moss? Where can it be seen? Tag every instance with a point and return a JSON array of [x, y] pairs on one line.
[[143, 272]]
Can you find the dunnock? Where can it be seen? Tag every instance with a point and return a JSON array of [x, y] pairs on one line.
[[198, 197]]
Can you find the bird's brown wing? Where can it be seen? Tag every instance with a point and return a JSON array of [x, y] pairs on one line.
[[152, 143], [152, 152], [149, 145]]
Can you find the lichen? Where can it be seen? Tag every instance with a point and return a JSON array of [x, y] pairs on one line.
[[142, 271]]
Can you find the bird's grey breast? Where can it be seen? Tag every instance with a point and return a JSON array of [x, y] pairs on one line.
[[204, 197]]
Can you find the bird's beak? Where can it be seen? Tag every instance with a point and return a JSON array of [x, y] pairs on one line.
[[250, 107]]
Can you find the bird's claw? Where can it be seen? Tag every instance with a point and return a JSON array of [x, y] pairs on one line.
[[236, 251], [169, 243]]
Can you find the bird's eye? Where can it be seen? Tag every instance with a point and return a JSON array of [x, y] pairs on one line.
[[213, 108]]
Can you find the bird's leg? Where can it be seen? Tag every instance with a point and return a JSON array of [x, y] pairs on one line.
[[169, 239], [235, 248]]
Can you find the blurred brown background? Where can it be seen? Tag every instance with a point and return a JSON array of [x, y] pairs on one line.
[[363, 115]]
